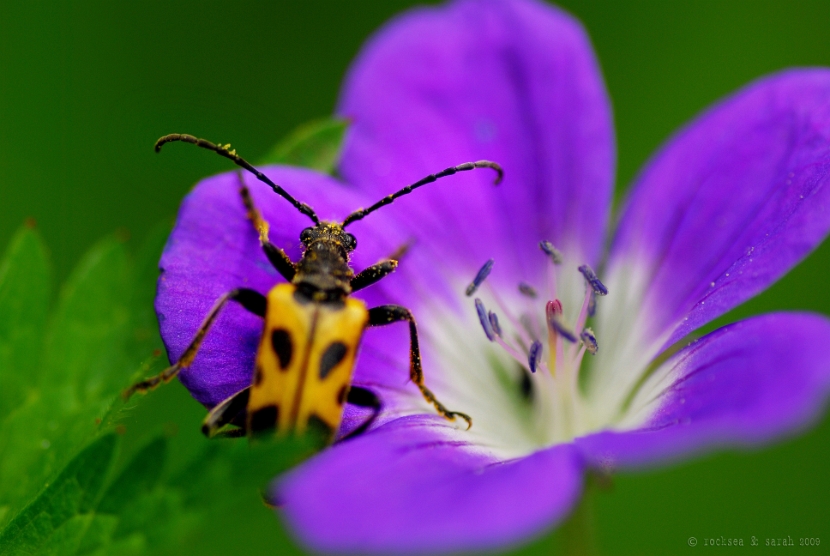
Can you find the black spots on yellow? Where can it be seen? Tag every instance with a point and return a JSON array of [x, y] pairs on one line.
[[281, 340], [341, 396], [258, 377], [317, 426], [264, 418], [333, 355]]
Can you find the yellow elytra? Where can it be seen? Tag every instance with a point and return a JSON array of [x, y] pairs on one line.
[[305, 361], [312, 327]]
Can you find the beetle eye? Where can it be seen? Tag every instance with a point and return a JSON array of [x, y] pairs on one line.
[[305, 235], [352, 241]]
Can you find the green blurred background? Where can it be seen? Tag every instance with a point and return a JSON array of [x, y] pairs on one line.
[[87, 87]]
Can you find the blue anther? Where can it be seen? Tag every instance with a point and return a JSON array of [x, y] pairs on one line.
[[554, 253], [534, 355], [527, 289], [591, 277], [589, 340], [560, 329], [494, 323], [485, 320], [483, 272]]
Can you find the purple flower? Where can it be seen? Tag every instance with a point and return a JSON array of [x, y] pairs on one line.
[[726, 207]]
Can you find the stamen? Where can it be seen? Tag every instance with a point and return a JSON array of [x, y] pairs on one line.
[[591, 277], [530, 326], [551, 251], [589, 340], [534, 355], [494, 323], [485, 320], [585, 309], [592, 304], [527, 289], [482, 274], [557, 326]]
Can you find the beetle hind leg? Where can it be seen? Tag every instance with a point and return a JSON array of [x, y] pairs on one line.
[[225, 412]]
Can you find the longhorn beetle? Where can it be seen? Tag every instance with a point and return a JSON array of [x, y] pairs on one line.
[[312, 327]]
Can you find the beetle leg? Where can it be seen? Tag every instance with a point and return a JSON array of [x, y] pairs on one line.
[[372, 274], [225, 411], [278, 258], [251, 300], [363, 397], [387, 314]]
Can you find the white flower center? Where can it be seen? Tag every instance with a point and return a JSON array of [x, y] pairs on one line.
[[522, 372]]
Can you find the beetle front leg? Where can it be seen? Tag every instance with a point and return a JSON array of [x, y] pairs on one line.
[[378, 271], [251, 300], [387, 314], [278, 258], [372, 274]]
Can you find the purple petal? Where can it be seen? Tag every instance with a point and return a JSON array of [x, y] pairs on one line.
[[512, 82], [414, 485], [733, 201], [746, 384], [214, 248]]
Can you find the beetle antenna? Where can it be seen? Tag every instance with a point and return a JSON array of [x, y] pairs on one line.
[[224, 150], [358, 214]]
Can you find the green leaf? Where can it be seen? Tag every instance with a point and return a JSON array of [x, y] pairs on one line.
[[316, 145], [90, 327], [140, 476], [24, 302], [82, 370], [145, 337], [74, 492], [101, 331]]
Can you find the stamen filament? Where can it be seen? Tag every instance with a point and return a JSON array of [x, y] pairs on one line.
[[517, 326], [583, 312], [518, 356]]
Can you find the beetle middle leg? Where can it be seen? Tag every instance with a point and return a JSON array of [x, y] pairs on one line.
[[251, 300], [387, 314], [278, 258], [362, 397]]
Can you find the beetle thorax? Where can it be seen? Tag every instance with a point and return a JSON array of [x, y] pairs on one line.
[[323, 273]]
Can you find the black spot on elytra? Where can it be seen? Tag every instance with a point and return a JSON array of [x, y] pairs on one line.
[[281, 340], [264, 418], [258, 376], [333, 355], [317, 426]]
